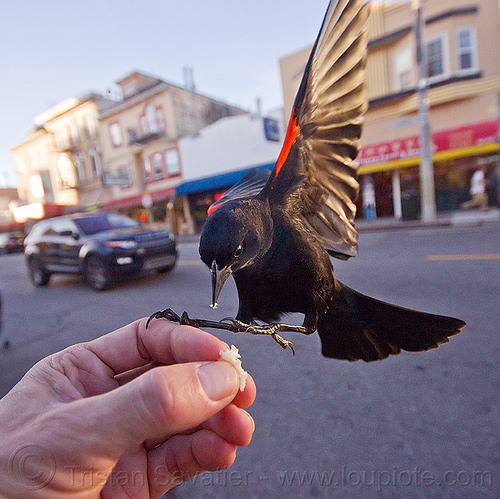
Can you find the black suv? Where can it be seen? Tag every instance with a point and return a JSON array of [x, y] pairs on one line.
[[103, 247], [11, 242]]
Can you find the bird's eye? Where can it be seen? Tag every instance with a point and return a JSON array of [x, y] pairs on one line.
[[239, 251]]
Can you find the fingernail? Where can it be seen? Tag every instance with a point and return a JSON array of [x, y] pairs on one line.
[[251, 420], [219, 379]]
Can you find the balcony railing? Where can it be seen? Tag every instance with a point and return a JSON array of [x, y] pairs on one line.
[[67, 145], [135, 137]]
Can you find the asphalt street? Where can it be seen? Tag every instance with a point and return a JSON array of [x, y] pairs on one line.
[[423, 425]]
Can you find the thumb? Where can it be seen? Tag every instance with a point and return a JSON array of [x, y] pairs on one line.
[[162, 402]]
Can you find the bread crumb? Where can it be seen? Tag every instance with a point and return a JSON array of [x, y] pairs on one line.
[[233, 357]]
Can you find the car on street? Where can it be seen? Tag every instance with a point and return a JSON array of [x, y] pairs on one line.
[[103, 247], [11, 242]]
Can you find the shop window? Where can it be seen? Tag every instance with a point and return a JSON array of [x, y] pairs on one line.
[[437, 62], [466, 49], [157, 166], [403, 69], [115, 133], [172, 161]]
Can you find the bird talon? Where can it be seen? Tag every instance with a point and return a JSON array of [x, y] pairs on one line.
[[185, 320], [168, 314], [151, 317], [283, 343]]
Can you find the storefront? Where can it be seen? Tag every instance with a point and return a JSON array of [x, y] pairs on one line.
[[390, 171], [151, 206], [201, 193]]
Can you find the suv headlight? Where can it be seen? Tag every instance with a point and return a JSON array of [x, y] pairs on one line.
[[125, 244]]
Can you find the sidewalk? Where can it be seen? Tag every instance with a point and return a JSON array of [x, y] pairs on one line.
[[446, 219]]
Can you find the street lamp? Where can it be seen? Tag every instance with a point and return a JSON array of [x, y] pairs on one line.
[[427, 188]]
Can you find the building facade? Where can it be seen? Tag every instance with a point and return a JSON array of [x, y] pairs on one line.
[[93, 152], [140, 136], [60, 162], [461, 39]]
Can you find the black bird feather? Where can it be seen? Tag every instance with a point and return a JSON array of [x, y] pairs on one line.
[[275, 234]]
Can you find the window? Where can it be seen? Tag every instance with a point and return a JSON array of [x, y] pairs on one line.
[[91, 125], [403, 69], [47, 186], [115, 133], [36, 187], [79, 165], [159, 119], [146, 168], [65, 170], [466, 49], [172, 161], [103, 222], [437, 63], [157, 166], [58, 138], [61, 226], [95, 161], [74, 133], [151, 121]]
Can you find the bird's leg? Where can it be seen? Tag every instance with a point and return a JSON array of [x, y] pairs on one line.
[[185, 320], [272, 330], [233, 325]]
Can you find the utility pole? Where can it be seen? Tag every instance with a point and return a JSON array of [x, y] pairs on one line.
[[427, 187]]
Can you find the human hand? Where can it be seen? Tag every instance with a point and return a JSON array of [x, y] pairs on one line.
[[130, 414]]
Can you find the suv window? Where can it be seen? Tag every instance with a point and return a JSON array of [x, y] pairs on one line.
[[38, 229], [57, 227], [102, 223]]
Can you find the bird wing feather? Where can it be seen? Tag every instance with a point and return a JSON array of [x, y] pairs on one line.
[[250, 185], [316, 171]]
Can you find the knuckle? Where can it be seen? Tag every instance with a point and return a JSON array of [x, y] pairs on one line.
[[167, 402]]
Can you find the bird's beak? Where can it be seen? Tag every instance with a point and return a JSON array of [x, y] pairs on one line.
[[219, 277]]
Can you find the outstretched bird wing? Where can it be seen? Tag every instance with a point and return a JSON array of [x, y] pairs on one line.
[[250, 185], [316, 172]]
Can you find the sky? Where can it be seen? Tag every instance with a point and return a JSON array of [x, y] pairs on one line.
[[51, 50]]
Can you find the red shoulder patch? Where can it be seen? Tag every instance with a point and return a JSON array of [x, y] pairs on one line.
[[291, 134]]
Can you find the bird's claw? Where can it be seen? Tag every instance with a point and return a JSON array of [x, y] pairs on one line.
[[168, 314], [228, 323]]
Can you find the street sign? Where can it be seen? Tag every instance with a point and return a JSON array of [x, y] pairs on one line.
[[116, 177]]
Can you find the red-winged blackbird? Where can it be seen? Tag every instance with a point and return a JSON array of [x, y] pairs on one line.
[[275, 233]]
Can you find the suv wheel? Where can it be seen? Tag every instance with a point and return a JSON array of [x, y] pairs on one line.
[[97, 275], [37, 273], [168, 268]]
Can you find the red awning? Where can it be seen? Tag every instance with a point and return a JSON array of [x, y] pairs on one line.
[[136, 201]]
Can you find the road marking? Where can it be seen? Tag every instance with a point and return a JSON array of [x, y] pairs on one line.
[[478, 256], [190, 262]]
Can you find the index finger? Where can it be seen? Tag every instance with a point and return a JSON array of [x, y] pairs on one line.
[[134, 346]]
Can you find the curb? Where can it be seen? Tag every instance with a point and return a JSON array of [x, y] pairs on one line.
[[458, 219]]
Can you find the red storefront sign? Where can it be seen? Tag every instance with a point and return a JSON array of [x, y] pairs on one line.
[[456, 138]]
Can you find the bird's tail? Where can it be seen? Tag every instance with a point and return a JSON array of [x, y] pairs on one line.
[[356, 327]]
